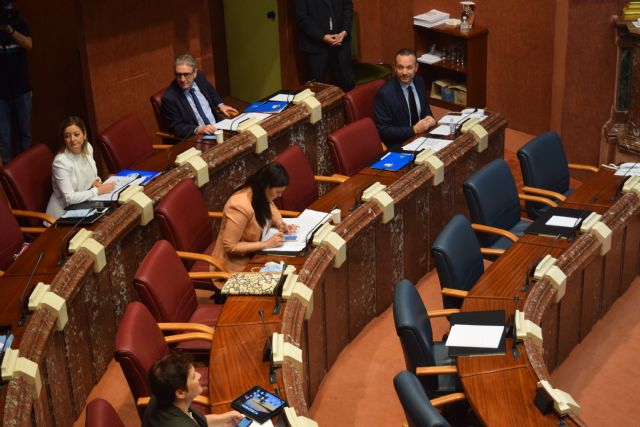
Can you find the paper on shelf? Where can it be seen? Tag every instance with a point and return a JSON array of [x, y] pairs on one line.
[[477, 336], [562, 221]]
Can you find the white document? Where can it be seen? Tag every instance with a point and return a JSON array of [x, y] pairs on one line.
[[456, 118], [307, 222], [121, 182], [282, 97], [429, 58], [628, 169], [443, 130], [78, 213], [562, 221], [478, 336], [232, 124], [422, 143]]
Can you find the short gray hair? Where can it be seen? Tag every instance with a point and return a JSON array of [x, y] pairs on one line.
[[185, 59]]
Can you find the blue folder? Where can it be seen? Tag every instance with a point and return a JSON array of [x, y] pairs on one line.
[[266, 107], [148, 175], [393, 161]]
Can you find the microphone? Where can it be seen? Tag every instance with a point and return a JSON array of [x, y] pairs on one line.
[[415, 153], [267, 351], [65, 240], [514, 333], [532, 266], [23, 311], [277, 291]]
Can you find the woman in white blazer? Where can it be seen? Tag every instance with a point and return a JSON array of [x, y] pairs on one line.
[[75, 175]]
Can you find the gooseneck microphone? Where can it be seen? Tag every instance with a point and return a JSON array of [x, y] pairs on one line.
[[277, 291], [23, 310], [532, 267], [267, 351]]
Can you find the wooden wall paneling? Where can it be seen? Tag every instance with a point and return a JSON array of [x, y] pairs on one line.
[[291, 59], [58, 386], [441, 210], [219, 47], [592, 282], [361, 279], [316, 335], [388, 260], [336, 297], [631, 256], [550, 334], [612, 272], [569, 317]]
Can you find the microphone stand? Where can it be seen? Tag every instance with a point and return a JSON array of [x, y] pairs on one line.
[[23, 312]]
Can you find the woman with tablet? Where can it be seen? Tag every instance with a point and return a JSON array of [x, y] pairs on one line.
[[249, 214], [75, 175]]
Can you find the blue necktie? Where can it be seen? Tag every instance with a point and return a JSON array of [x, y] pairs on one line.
[[203, 116]]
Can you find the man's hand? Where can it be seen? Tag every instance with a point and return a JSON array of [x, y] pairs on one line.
[[206, 130], [332, 39], [423, 125], [228, 111], [340, 37]]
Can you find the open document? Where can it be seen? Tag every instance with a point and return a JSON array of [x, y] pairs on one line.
[[232, 124], [121, 182], [307, 222]]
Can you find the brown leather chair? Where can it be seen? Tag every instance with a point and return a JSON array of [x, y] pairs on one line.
[[125, 143], [303, 188], [100, 413], [140, 343], [355, 146], [26, 181], [165, 131], [185, 222], [165, 287], [358, 102]]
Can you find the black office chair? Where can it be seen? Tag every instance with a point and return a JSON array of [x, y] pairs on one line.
[[428, 359], [458, 257], [494, 205], [545, 170], [419, 410]]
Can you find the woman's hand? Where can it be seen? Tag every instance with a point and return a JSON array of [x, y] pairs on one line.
[[105, 188], [288, 228], [274, 241]]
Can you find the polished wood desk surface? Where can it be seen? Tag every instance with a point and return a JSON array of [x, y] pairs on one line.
[[50, 244], [501, 389]]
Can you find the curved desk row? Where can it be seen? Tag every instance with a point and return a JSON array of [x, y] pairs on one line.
[[70, 362]]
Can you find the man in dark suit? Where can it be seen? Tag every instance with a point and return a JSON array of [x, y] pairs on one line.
[[325, 31], [190, 103], [401, 109]]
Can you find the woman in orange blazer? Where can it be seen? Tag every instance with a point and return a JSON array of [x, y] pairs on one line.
[[248, 215]]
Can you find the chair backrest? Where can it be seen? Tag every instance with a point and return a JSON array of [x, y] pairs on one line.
[[183, 219], [492, 198], [458, 259], [26, 180], [358, 102], [416, 404], [544, 164], [156, 105], [164, 286], [303, 188], [414, 330], [355, 146], [139, 344], [125, 143], [100, 413], [11, 238]]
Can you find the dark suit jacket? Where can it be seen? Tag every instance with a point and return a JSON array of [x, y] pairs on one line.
[[391, 111], [177, 111], [170, 417], [313, 21]]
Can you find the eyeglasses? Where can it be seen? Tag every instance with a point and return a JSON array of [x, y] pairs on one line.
[[184, 75]]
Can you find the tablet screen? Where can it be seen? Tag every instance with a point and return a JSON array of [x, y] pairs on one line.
[[259, 404]]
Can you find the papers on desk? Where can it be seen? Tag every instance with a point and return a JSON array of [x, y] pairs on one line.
[[563, 221], [232, 124], [121, 182], [78, 213], [419, 144], [628, 169], [307, 222], [442, 130], [458, 117], [282, 97], [475, 336]]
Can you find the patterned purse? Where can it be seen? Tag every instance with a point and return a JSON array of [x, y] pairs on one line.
[[249, 283]]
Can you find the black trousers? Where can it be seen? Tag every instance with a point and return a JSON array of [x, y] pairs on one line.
[[339, 58]]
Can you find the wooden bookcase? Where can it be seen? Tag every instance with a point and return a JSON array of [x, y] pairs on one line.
[[472, 44]]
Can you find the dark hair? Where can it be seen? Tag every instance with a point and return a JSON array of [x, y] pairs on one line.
[[169, 375], [271, 175], [71, 121], [405, 52]]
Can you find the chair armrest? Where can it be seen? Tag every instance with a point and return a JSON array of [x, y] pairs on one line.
[[202, 257], [446, 400], [538, 199], [1, 273], [436, 370], [168, 136], [335, 178], [216, 215], [33, 229], [491, 251], [289, 214], [209, 275], [33, 214], [578, 166], [161, 146], [143, 401], [185, 326], [457, 293], [544, 193], [493, 230], [189, 336], [442, 313]]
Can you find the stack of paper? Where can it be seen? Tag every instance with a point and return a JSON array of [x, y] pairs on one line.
[[433, 18], [429, 58], [232, 124], [628, 169], [419, 144], [307, 222]]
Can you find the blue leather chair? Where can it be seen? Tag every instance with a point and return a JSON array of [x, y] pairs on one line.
[[423, 356], [458, 260], [545, 170], [418, 409], [494, 205]]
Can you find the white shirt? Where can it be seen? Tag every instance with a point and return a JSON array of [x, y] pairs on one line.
[[72, 180], [203, 103]]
